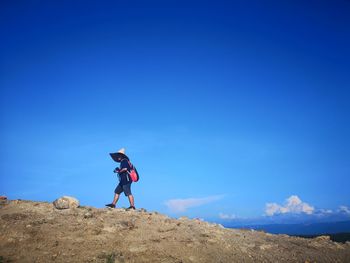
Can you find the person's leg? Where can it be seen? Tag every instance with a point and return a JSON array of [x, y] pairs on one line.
[[127, 192], [131, 200], [116, 198], [118, 190]]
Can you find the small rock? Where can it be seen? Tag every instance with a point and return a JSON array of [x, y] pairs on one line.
[[138, 249], [88, 215], [265, 247], [339, 245], [66, 202], [167, 221], [212, 240]]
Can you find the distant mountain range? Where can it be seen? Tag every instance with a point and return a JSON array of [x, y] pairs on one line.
[[301, 228]]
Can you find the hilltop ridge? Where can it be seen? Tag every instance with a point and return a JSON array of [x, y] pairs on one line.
[[38, 232]]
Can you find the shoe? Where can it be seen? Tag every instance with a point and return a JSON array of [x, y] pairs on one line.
[[111, 205], [131, 208]]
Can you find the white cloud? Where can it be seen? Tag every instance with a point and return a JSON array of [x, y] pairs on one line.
[[293, 205], [325, 211], [272, 208], [344, 209], [227, 217], [181, 205]]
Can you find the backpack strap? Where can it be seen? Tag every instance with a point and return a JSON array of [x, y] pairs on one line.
[[130, 164]]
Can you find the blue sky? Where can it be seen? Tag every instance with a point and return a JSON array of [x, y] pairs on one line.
[[229, 110]]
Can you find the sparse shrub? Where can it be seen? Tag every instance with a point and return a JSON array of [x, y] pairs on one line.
[[110, 258]]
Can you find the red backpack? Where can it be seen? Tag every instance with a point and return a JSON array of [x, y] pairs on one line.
[[133, 174]]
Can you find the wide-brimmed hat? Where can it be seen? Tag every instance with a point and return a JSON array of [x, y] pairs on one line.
[[119, 154]]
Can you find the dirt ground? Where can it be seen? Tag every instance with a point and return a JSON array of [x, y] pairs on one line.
[[38, 232]]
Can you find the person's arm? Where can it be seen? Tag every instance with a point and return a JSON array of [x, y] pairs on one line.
[[123, 166], [122, 170]]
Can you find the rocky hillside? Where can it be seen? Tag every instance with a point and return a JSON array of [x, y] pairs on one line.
[[38, 232]]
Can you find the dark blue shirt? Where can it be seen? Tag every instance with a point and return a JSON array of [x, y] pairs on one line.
[[124, 177]]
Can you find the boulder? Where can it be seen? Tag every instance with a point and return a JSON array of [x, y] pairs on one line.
[[3, 201], [323, 238], [66, 202]]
